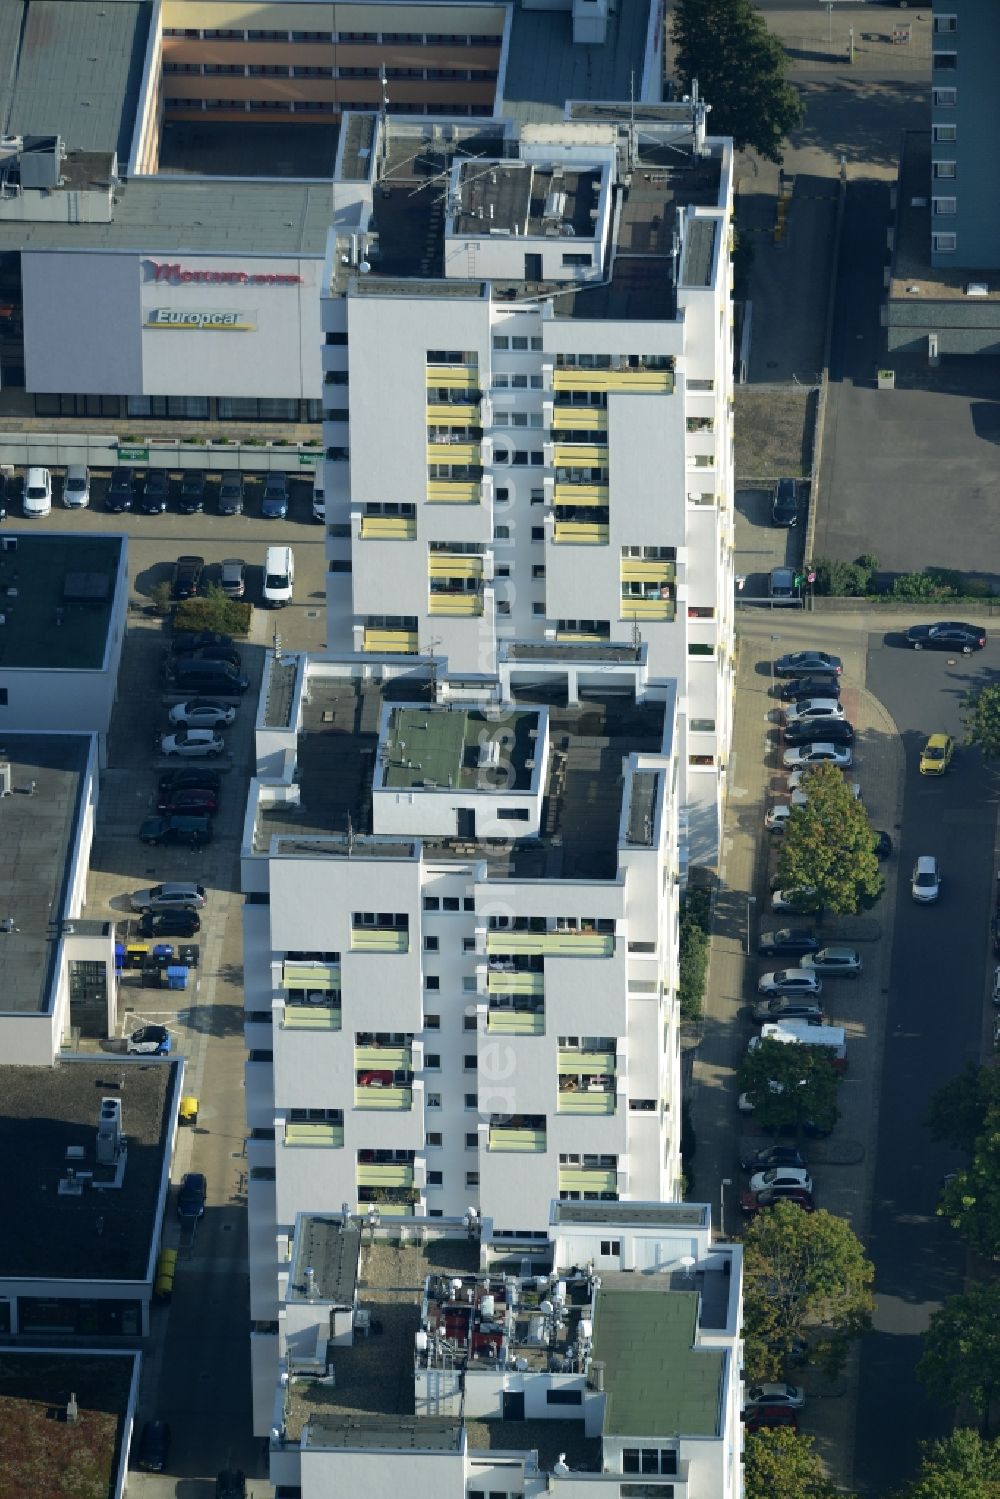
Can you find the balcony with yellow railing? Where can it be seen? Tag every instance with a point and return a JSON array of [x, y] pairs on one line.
[[580, 494], [581, 637], [587, 1063], [380, 939], [452, 413], [524, 1141], [452, 376], [454, 452], [313, 1016], [455, 565], [388, 1209], [392, 1099], [587, 1179], [385, 1174], [393, 1057], [651, 609], [579, 418], [456, 604], [569, 944], [330, 1136], [504, 1022], [613, 379], [588, 1100], [579, 455], [311, 976], [647, 570], [388, 528], [454, 491], [580, 533], [390, 642], [523, 982]]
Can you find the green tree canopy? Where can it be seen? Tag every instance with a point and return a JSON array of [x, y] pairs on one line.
[[778, 1464], [740, 70], [959, 1466], [970, 1199], [958, 1111], [790, 1085], [803, 1274], [961, 1357], [829, 848], [981, 717]]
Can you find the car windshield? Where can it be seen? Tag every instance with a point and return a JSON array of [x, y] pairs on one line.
[[934, 752]]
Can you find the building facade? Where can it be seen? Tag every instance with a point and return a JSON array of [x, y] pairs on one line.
[[540, 318], [965, 117]]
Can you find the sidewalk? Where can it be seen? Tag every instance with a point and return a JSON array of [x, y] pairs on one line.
[[843, 1163]]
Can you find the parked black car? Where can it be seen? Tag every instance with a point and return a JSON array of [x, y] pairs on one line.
[[946, 635], [807, 664], [784, 504], [154, 1447], [155, 493], [820, 731], [192, 496], [193, 830], [772, 1155], [187, 577], [169, 924], [184, 641], [121, 490], [194, 779], [787, 940], [231, 494], [825, 685]]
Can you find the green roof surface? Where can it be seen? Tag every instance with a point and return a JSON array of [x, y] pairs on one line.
[[658, 1384], [442, 746]]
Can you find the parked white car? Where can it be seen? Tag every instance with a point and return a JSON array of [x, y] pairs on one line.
[[37, 493], [202, 715], [811, 708], [789, 981], [192, 743], [926, 880], [817, 754], [781, 1176]]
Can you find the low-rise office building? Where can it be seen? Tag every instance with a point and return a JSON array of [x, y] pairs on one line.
[[434, 1363], [86, 1145]]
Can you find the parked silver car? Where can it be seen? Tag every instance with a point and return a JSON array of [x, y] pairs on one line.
[[175, 895]]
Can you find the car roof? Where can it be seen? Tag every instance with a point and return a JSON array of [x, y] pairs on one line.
[[937, 741], [232, 562], [840, 950], [926, 862]]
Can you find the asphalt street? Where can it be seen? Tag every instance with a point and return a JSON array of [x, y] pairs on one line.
[[937, 1015]]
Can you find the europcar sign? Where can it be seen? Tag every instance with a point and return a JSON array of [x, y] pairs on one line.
[[201, 320]]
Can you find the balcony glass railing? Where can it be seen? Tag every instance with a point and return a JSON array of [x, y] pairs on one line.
[[587, 1179], [571, 944], [391, 642], [389, 1209], [388, 528], [454, 491], [379, 939], [525, 1141], [454, 452], [596, 1063], [311, 976], [647, 570], [385, 1174], [623, 379], [461, 605], [503, 981], [454, 565], [581, 494], [580, 533], [662, 609], [395, 1100], [579, 418], [308, 1133], [391, 1057], [585, 1101], [453, 376], [516, 1022], [312, 1017], [579, 455], [455, 413]]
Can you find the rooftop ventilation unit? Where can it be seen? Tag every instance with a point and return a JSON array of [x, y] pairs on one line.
[[489, 755], [109, 1131], [977, 289], [6, 778]]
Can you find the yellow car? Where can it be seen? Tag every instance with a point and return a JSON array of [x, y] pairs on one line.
[[935, 757]]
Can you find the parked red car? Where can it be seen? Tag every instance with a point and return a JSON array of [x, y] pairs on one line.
[[761, 1416], [201, 801]]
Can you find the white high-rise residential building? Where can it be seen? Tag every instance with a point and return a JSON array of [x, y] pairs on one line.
[[599, 1360], [460, 947], [528, 404]]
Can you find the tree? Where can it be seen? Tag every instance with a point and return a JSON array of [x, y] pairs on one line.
[[804, 1274], [958, 1111], [778, 1464], [828, 850], [959, 1466], [961, 1357], [970, 1198], [981, 717], [790, 1085], [725, 46]]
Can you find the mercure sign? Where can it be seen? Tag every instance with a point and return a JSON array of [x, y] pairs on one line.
[[175, 274]]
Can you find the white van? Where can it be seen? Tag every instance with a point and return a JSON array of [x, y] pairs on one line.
[[37, 492], [279, 576], [795, 1033]]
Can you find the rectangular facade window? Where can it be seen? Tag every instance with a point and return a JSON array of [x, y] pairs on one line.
[[433, 1100], [945, 24], [944, 207], [434, 1141], [432, 1063], [944, 98], [472, 1178], [435, 1179], [699, 648], [611, 1246], [944, 169], [944, 243], [563, 1397], [944, 134], [432, 1022], [703, 725], [945, 62]]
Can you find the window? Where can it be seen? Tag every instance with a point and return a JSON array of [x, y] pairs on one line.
[[642, 1105], [944, 207], [472, 1178], [500, 341], [472, 1142], [3, 697], [513, 814], [696, 648], [469, 1022], [470, 1062], [563, 1397], [431, 981], [701, 762], [538, 608], [501, 533], [502, 496], [538, 533], [434, 1141], [431, 903], [703, 725], [944, 169], [503, 606], [611, 1246], [433, 1100], [577, 258], [944, 243], [945, 98], [503, 570], [944, 133], [468, 903], [538, 570], [468, 944], [472, 1100], [432, 1022], [649, 1460], [538, 496], [431, 944], [450, 903], [945, 24], [435, 1178], [432, 1063]]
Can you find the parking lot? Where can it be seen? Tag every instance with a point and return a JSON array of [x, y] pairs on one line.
[[196, 1363]]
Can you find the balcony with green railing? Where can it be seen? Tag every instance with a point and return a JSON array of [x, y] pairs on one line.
[[385, 1097], [503, 1021], [317, 1015], [562, 944], [588, 1179], [518, 1139], [384, 1058], [586, 1063], [384, 939], [309, 1133], [385, 1173], [586, 1099], [517, 981]]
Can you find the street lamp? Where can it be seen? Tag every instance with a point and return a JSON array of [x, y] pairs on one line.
[[726, 1181], [775, 640], [751, 901]]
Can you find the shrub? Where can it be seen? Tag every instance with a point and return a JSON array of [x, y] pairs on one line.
[[845, 579], [693, 955], [922, 588], [159, 596], [214, 611]]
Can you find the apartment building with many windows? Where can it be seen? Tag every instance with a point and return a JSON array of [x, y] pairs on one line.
[[528, 403], [597, 1359], [460, 947]]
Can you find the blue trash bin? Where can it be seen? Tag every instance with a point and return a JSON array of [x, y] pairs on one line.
[[177, 977]]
